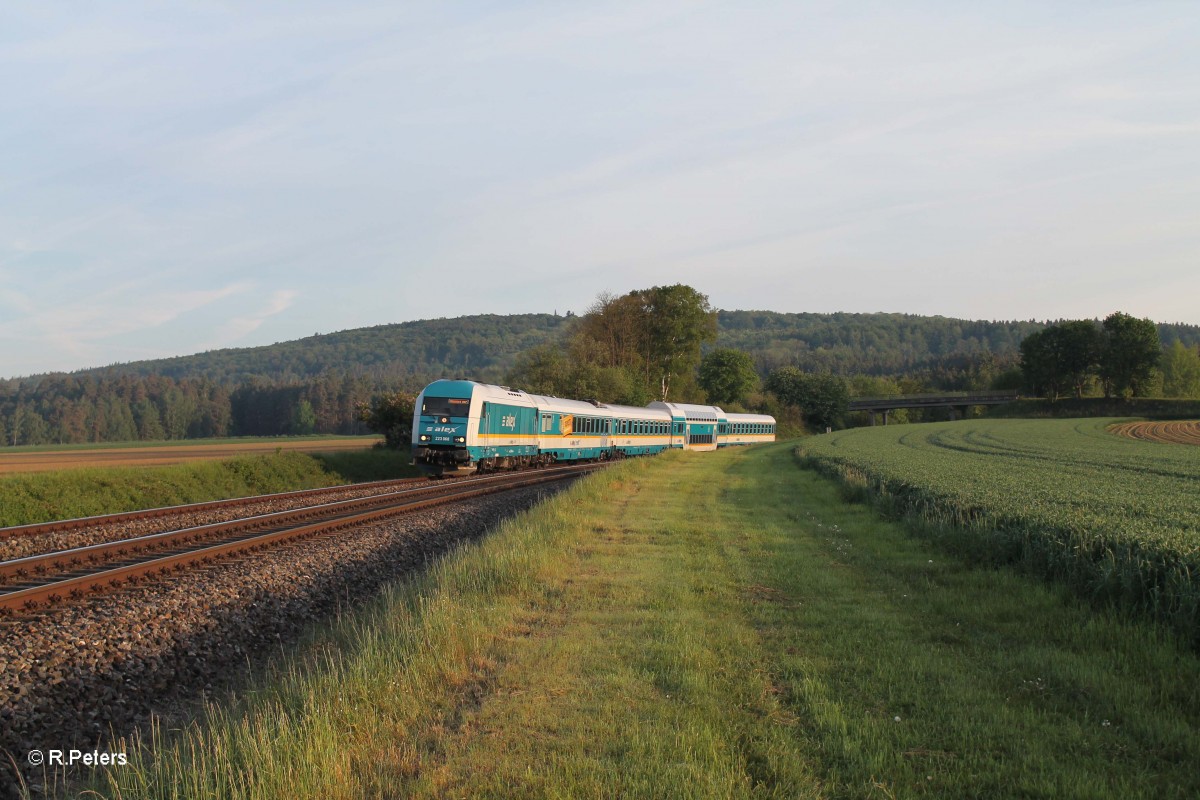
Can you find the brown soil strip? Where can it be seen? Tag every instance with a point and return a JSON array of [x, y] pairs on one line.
[[159, 456], [1173, 432]]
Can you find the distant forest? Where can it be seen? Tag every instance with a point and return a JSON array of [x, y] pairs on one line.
[[317, 384]]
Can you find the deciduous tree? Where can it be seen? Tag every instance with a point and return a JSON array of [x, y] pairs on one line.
[[1061, 357], [1130, 354], [391, 415], [727, 375], [1181, 371], [823, 398]]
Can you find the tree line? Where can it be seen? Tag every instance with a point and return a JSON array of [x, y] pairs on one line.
[[75, 409], [663, 342], [1122, 356]]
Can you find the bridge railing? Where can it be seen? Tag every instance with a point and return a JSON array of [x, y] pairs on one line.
[[939, 399]]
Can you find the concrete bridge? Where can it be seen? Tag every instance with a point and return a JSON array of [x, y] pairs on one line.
[[957, 402]]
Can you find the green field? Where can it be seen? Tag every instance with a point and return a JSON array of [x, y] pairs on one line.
[[1117, 519], [716, 625]]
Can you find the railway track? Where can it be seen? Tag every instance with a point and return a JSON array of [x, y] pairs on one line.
[[37, 582], [60, 526]]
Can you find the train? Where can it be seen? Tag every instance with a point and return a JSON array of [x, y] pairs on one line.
[[461, 426]]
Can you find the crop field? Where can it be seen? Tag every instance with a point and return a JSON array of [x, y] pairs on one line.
[[1116, 518], [1173, 432], [43, 459]]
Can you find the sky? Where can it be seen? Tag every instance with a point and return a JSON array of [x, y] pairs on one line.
[[187, 176]]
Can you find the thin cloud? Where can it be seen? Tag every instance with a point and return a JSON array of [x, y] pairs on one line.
[[238, 328], [82, 329]]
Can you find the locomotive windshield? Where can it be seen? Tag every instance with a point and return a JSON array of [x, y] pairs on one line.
[[446, 406]]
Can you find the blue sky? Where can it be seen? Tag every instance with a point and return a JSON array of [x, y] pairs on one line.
[[179, 177]]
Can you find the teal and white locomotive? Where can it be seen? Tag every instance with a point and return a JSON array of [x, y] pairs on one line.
[[464, 426]]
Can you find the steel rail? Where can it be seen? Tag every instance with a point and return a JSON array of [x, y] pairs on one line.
[[59, 526], [90, 555], [76, 587]]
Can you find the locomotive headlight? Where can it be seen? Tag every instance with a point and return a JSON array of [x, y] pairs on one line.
[[460, 439], [424, 438]]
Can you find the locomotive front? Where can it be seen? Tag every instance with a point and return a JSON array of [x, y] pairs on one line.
[[440, 427]]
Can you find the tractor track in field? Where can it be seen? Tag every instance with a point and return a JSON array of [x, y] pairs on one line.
[[1171, 432]]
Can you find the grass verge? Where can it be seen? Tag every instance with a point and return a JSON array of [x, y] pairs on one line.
[[703, 625], [371, 464]]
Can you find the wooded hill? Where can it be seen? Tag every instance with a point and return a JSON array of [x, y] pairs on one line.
[[315, 384]]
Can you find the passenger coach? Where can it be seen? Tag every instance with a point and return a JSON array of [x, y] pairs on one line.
[[462, 426]]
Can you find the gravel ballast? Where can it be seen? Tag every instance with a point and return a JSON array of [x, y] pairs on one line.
[[73, 677]]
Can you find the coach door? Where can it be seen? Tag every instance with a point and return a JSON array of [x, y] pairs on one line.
[[485, 428]]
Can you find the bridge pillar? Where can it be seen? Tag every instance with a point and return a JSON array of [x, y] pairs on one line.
[[885, 416], [872, 413]]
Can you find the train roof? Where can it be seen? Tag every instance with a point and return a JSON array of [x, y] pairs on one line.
[[595, 409], [757, 419], [690, 411], [656, 410]]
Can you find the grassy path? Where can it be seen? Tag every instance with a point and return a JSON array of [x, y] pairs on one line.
[[711, 626]]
